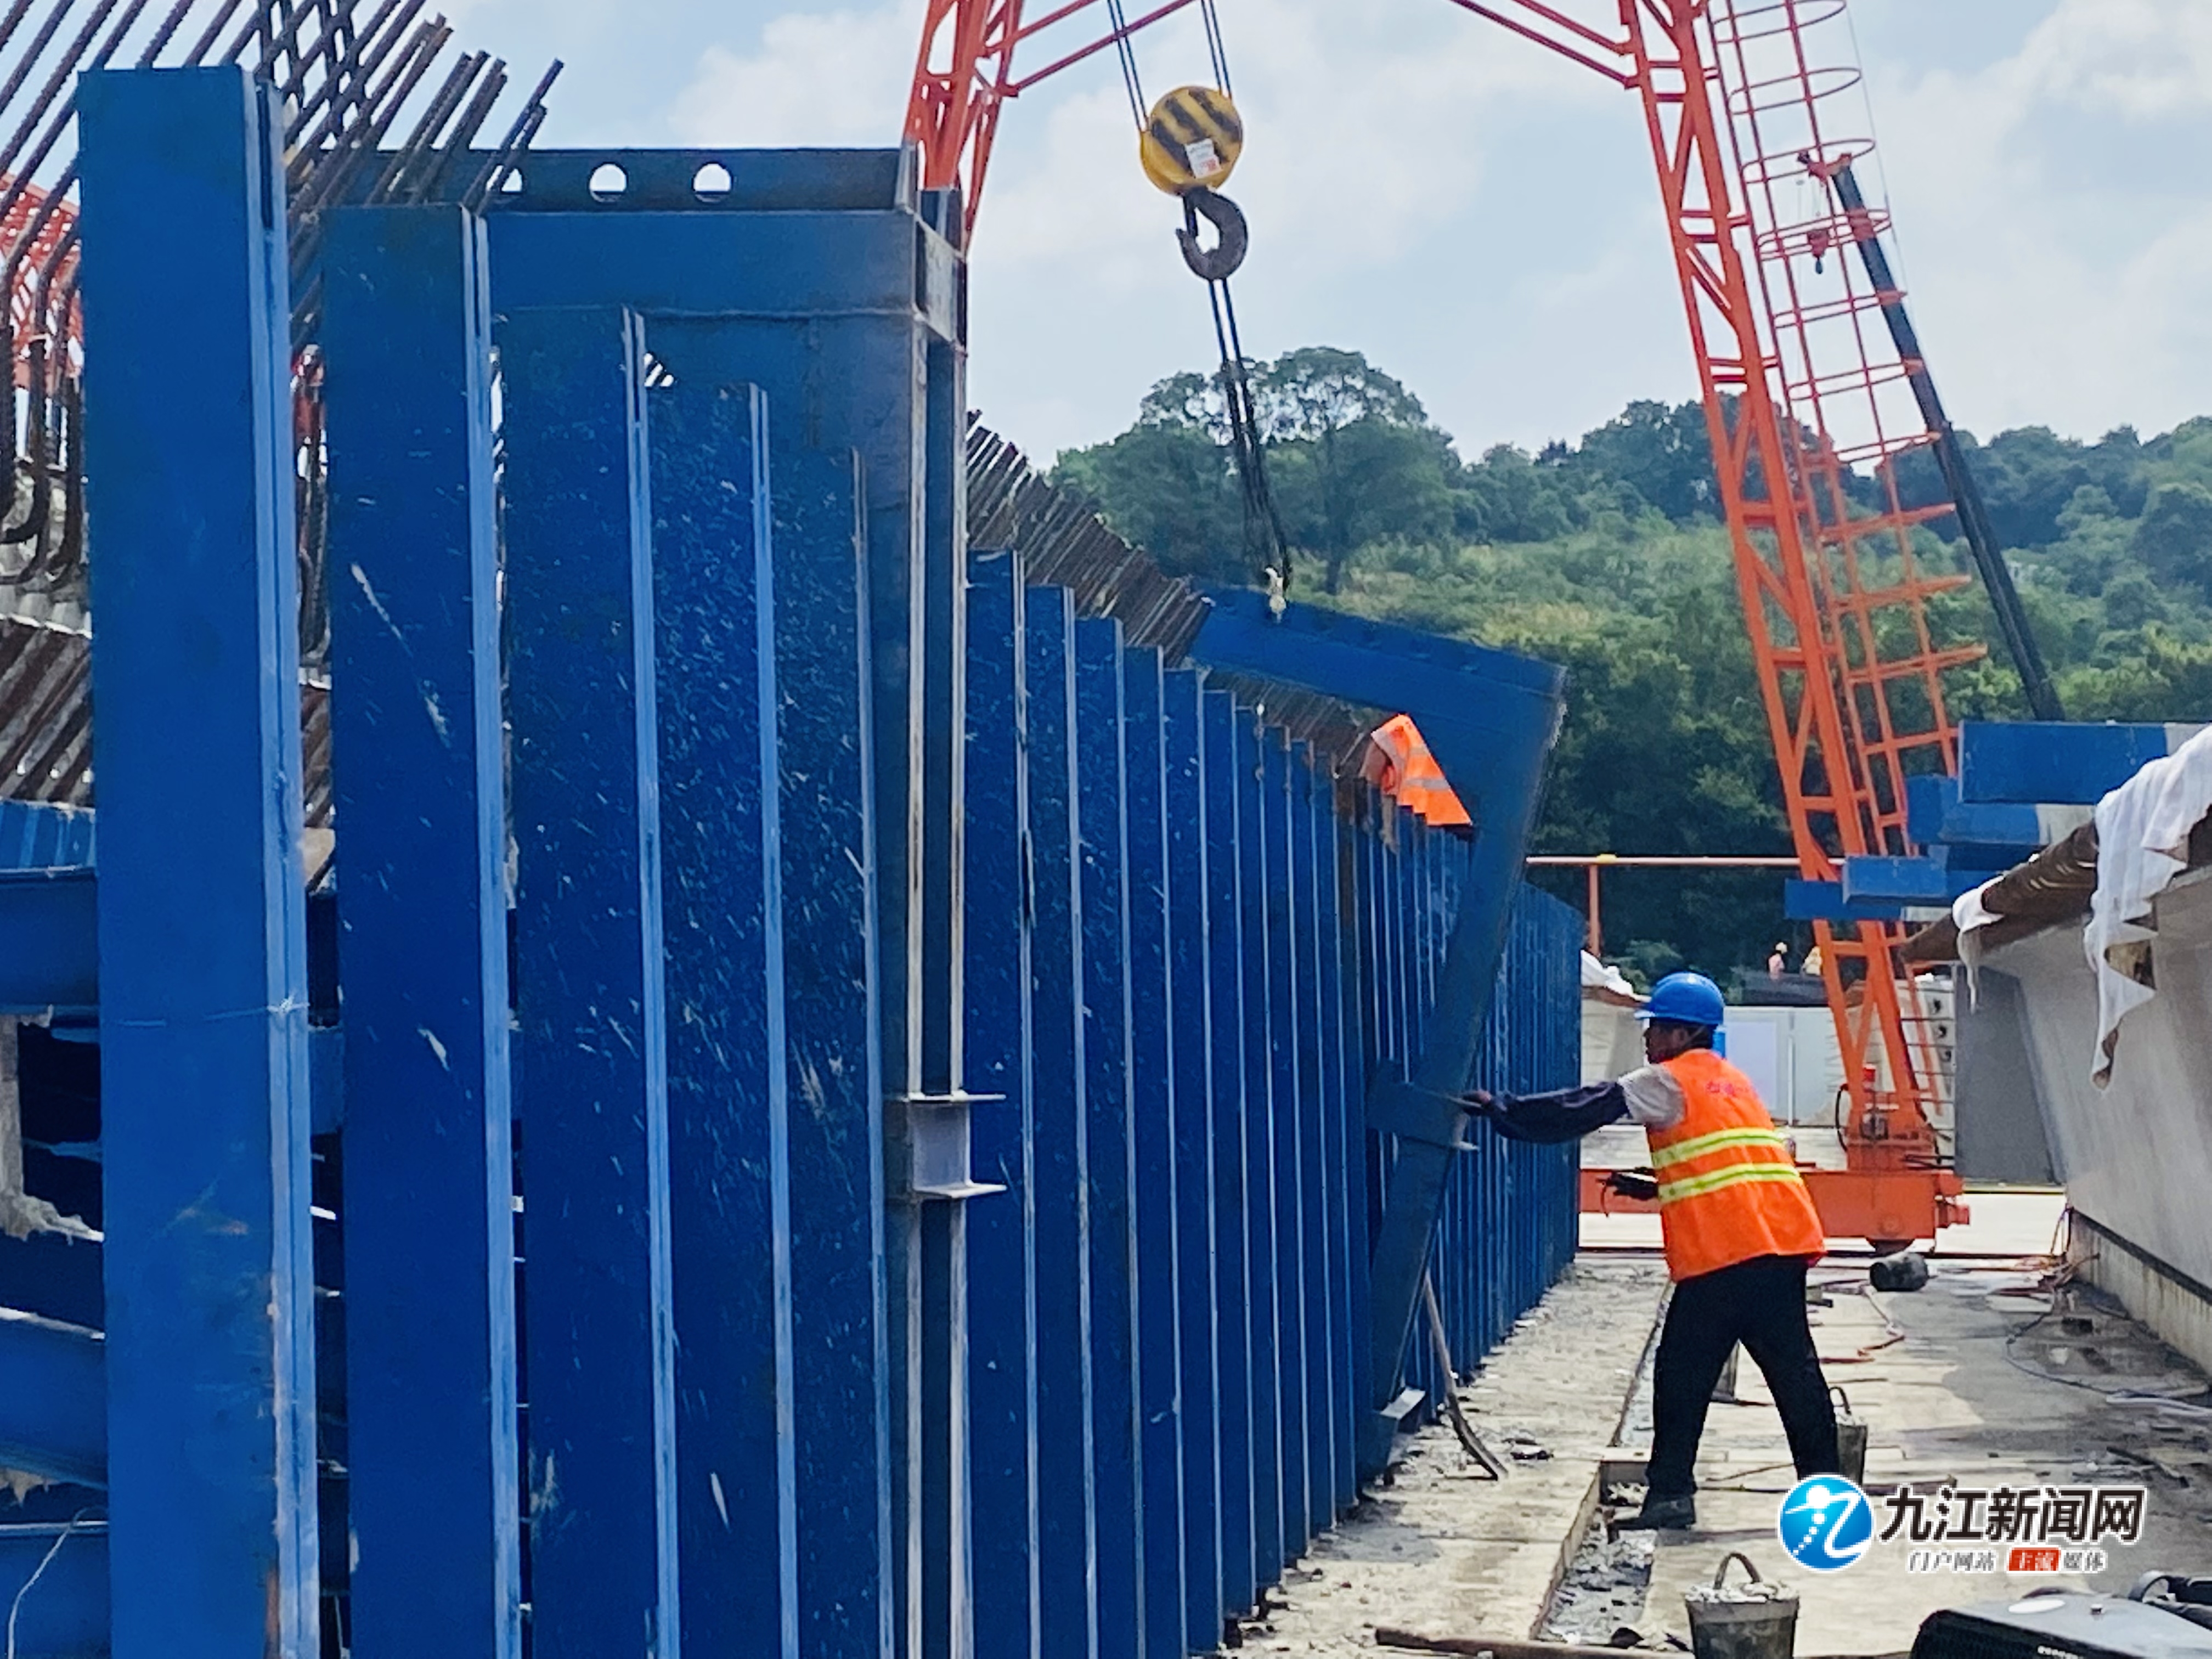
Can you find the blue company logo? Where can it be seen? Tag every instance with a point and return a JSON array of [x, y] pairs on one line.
[[1825, 1524]]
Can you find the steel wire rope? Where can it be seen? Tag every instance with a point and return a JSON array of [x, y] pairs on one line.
[[1263, 523], [1265, 544], [16, 1606], [1214, 48], [1125, 48]]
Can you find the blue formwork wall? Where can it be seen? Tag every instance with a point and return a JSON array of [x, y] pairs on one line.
[[1191, 945], [827, 1108]]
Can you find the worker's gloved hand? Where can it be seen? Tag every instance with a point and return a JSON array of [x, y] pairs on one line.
[[1642, 1184], [1482, 1103]]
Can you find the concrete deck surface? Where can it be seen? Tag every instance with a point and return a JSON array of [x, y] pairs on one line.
[[1443, 1548], [1957, 1386], [1979, 1379]]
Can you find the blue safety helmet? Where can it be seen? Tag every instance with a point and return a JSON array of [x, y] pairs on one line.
[[1686, 1000]]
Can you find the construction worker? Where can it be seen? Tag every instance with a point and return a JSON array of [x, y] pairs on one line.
[[1741, 1231]]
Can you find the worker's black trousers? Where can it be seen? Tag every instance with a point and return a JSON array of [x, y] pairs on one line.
[[1761, 1305]]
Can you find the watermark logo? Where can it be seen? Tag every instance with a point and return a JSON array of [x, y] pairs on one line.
[[1825, 1524], [2015, 1529]]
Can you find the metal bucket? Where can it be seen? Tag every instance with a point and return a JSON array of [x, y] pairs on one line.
[[1851, 1438], [1757, 1621]]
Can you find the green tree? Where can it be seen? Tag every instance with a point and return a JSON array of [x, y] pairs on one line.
[[2173, 538], [1164, 486], [1353, 456], [1603, 555], [1661, 452]]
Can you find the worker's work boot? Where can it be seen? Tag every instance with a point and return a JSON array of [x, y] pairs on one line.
[[1661, 1514]]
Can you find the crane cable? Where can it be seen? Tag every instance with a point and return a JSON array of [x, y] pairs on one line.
[[1265, 544], [1125, 47]]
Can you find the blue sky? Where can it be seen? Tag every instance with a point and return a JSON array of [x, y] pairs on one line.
[[1478, 218]]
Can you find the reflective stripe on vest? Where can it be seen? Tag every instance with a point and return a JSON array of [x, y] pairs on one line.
[[1728, 1190]]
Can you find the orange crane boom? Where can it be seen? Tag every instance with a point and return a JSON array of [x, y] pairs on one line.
[[1808, 407]]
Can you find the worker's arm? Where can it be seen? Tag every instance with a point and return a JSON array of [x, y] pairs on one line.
[[1648, 1094], [1548, 1119]]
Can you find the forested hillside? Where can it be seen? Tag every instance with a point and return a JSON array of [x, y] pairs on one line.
[[1605, 554]]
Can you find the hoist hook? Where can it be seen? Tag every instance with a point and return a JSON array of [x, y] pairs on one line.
[[1219, 262]]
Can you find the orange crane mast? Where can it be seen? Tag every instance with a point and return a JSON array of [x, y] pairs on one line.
[[1750, 106]]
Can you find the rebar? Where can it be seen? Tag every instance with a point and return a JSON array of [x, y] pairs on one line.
[[376, 110]]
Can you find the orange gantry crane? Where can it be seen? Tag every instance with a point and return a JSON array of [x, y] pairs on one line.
[[1808, 404]]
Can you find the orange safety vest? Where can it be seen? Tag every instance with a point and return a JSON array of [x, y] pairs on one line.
[[1410, 775], [1728, 1190]]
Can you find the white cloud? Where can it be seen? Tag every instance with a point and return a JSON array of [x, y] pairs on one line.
[[2058, 230], [835, 77], [1480, 217], [2144, 58]]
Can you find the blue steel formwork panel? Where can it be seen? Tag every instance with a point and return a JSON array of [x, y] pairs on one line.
[[841, 1397], [1281, 1029], [1201, 1298], [722, 900], [1351, 825], [202, 943], [591, 1081], [1196, 953], [1068, 1573], [823, 278], [1002, 1269], [1117, 1443], [1316, 1174], [1223, 723], [1154, 1107], [418, 780], [1271, 1540], [1343, 1148]]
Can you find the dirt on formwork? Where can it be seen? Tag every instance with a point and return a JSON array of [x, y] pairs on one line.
[[1444, 1550]]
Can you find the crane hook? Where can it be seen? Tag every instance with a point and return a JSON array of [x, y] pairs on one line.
[[1219, 262]]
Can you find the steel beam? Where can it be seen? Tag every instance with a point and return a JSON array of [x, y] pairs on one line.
[[2028, 762], [54, 1275], [53, 1400], [591, 1059], [203, 939], [49, 941], [418, 779]]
